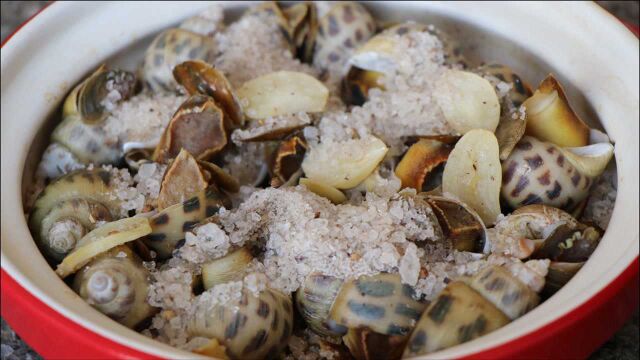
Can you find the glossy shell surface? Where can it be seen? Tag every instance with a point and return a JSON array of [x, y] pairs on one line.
[[538, 173]]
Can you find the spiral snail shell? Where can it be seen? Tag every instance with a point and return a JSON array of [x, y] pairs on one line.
[[116, 284], [86, 108], [253, 327], [70, 207]]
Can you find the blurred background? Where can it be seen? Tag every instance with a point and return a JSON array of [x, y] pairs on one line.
[[623, 345]]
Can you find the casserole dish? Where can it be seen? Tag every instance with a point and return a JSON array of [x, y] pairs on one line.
[[608, 84]]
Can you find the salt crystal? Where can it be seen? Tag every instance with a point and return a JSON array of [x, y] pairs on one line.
[[410, 265]]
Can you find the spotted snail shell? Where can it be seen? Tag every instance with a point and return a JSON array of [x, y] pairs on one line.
[[542, 173], [170, 48], [344, 28], [170, 224], [467, 309], [81, 131], [253, 327]]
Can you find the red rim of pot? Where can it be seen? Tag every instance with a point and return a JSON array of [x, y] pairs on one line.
[[574, 335]]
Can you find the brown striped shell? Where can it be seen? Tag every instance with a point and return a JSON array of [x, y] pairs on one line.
[[170, 48], [539, 173], [81, 131], [253, 327], [421, 158], [116, 284], [287, 159], [314, 299], [459, 314], [568, 243], [345, 27], [169, 225], [460, 224], [74, 202], [551, 118]]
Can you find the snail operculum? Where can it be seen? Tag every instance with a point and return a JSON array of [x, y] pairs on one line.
[[198, 126], [198, 77], [287, 159], [116, 284], [460, 224], [418, 162]]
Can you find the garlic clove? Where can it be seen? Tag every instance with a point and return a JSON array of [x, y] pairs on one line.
[[345, 164], [334, 195], [282, 93], [467, 101], [473, 174]]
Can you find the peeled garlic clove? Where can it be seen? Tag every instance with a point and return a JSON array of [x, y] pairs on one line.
[[198, 77], [253, 327], [421, 158], [345, 164], [539, 173], [116, 284], [381, 303], [183, 178], [504, 291], [473, 174], [170, 224], [282, 93], [227, 268], [357, 83], [334, 195], [567, 243], [467, 101], [459, 314], [198, 126], [170, 48], [314, 299], [590, 160], [551, 118], [103, 239], [460, 224]]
